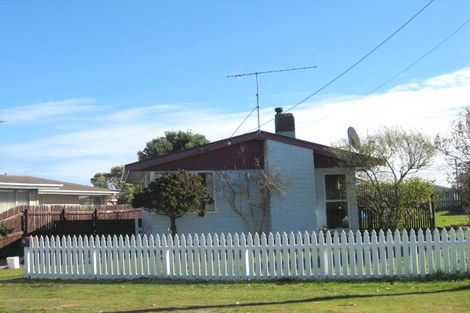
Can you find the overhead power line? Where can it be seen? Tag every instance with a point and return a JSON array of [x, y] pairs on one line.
[[396, 75], [244, 120], [357, 62]]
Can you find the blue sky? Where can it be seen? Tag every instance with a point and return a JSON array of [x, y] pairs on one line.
[[84, 84]]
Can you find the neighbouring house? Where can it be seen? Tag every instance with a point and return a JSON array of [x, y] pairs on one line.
[[316, 191], [27, 190]]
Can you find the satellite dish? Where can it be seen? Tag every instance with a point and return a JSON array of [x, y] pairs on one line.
[[353, 138]]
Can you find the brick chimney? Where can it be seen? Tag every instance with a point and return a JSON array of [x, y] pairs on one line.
[[284, 123]]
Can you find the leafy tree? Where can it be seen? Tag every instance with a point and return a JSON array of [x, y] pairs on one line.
[[173, 141], [112, 180], [411, 193], [173, 194], [386, 161]]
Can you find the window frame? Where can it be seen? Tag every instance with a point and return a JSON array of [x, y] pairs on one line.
[[211, 192], [91, 200], [345, 200]]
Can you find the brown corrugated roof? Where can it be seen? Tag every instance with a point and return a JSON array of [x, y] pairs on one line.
[[12, 179]]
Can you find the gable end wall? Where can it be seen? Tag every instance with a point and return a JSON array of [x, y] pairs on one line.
[[294, 210]]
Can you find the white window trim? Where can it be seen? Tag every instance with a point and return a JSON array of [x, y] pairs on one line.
[[348, 200]]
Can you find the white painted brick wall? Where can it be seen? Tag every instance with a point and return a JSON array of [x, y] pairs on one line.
[[301, 208], [294, 211], [222, 220]]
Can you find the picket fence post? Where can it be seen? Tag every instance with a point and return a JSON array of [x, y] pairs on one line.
[[94, 260], [27, 256], [245, 255]]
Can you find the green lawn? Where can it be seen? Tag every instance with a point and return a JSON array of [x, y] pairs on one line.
[[145, 296], [448, 218]]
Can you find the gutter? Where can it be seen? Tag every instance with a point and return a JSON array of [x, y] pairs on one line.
[[29, 186], [76, 192]]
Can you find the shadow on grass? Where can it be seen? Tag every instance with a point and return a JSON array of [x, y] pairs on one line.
[[454, 213], [316, 299], [438, 276]]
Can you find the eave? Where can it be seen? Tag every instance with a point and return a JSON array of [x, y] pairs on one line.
[[29, 186], [77, 192]]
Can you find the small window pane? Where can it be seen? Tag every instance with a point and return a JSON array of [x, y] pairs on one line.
[[22, 197], [208, 200], [7, 200], [335, 186], [98, 201], [337, 214], [85, 200]]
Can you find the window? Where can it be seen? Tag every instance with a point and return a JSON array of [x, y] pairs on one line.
[[85, 200], [208, 201], [90, 200], [7, 200], [11, 198], [22, 198], [336, 201]]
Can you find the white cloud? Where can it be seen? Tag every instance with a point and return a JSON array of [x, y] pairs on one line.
[[458, 78], [428, 106], [428, 109], [45, 110], [138, 113]]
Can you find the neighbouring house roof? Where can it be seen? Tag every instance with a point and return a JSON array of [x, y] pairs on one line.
[[240, 152], [48, 186]]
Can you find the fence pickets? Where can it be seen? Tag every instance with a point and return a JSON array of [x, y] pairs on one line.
[[228, 257]]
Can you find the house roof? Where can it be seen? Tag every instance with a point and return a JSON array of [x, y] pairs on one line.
[[48, 186], [228, 144]]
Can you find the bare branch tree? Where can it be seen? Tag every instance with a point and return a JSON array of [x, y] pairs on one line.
[[384, 163], [248, 193], [456, 149]]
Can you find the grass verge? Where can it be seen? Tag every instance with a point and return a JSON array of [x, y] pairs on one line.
[[433, 294], [448, 218]]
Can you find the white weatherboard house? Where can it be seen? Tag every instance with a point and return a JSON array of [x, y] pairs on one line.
[[27, 190], [317, 192]]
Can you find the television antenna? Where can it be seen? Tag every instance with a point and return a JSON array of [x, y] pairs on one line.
[[266, 72]]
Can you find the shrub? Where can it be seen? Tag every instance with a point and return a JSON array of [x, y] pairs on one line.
[[5, 230]]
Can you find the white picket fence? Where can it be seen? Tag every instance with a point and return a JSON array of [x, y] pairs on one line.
[[227, 257]]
